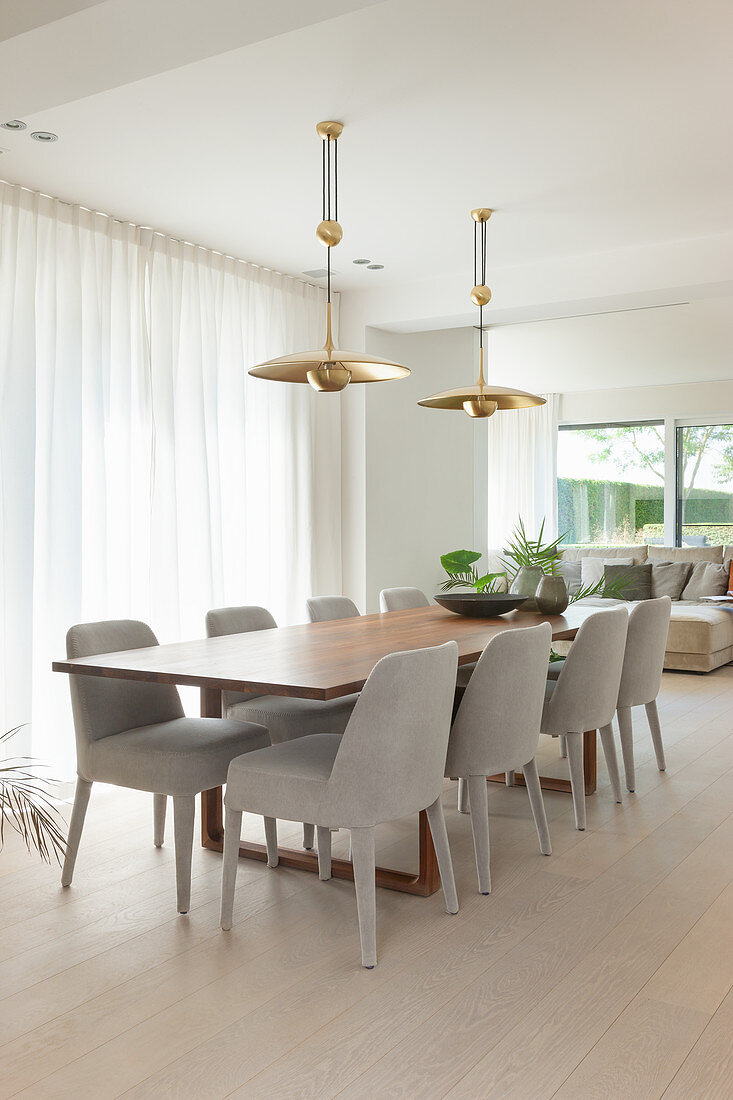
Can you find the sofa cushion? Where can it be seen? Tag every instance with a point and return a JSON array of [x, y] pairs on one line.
[[637, 552], [570, 571], [591, 569], [686, 553], [669, 578], [706, 579], [699, 628], [637, 580]]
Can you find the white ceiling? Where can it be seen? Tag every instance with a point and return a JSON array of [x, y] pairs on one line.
[[588, 126]]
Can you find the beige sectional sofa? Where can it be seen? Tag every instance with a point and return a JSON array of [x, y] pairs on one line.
[[700, 634]]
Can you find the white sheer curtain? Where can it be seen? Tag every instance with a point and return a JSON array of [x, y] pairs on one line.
[[142, 472], [522, 457]]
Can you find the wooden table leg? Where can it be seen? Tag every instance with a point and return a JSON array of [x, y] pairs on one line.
[[423, 884], [550, 783]]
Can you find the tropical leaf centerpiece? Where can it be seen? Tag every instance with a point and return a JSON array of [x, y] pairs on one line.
[[460, 567]]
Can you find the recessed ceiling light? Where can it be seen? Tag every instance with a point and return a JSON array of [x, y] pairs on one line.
[[360, 261], [14, 124], [318, 273], [375, 267], [44, 136]]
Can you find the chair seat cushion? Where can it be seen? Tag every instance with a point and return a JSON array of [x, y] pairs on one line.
[[180, 757], [288, 780], [290, 718]]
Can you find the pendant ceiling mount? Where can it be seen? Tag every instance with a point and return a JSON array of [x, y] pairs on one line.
[[482, 400], [329, 369]]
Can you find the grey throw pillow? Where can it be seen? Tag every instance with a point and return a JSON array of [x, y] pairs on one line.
[[669, 578], [706, 579], [570, 571], [637, 580]]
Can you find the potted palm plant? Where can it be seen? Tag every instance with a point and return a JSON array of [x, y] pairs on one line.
[[530, 561], [26, 808]]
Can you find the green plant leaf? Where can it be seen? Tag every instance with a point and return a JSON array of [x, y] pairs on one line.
[[459, 561], [26, 808], [487, 583]]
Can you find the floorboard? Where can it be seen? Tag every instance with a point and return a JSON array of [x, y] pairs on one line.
[[603, 971]]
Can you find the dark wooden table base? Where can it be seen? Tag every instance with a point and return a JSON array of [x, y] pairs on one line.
[[549, 783]]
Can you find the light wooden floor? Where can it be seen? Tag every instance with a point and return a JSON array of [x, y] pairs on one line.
[[604, 971]]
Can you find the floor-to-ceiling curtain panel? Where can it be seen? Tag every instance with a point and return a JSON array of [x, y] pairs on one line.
[[142, 472], [522, 457]]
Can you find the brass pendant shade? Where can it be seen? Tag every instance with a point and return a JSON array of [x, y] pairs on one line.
[[329, 369], [482, 400]]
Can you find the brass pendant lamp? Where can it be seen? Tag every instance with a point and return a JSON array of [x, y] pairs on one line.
[[481, 400], [329, 369]]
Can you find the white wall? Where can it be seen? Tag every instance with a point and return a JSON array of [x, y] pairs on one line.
[[645, 347], [416, 499]]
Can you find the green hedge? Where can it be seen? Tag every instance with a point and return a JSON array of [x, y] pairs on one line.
[[593, 511]]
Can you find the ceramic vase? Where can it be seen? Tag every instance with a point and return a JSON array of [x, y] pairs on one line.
[[552, 595], [525, 584]]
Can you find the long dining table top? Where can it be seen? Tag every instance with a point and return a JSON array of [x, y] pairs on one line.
[[316, 660]]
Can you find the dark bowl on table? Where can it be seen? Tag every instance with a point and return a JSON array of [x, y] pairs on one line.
[[481, 605]]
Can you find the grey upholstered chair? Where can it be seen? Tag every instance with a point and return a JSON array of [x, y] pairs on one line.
[[497, 729], [402, 599], [322, 609], [584, 697], [285, 718], [388, 764], [135, 735], [641, 677]]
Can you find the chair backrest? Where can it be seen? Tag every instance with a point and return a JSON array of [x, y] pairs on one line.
[[104, 706], [497, 726], [392, 754], [322, 609], [402, 599], [586, 693], [646, 643], [238, 620]]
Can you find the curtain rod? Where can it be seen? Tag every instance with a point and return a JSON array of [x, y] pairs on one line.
[[159, 233]]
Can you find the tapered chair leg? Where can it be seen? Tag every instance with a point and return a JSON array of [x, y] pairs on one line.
[[626, 730], [479, 799], [656, 730], [184, 811], [463, 806], [510, 778], [574, 742], [232, 835], [81, 801], [362, 854], [563, 747], [436, 820], [324, 852], [273, 857], [309, 836], [537, 803], [159, 804], [609, 751]]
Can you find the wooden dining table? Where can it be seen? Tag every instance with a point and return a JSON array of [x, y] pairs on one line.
[[323, 661]]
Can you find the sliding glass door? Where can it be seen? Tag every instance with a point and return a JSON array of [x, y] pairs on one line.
[[610, 483], [704, 485]]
